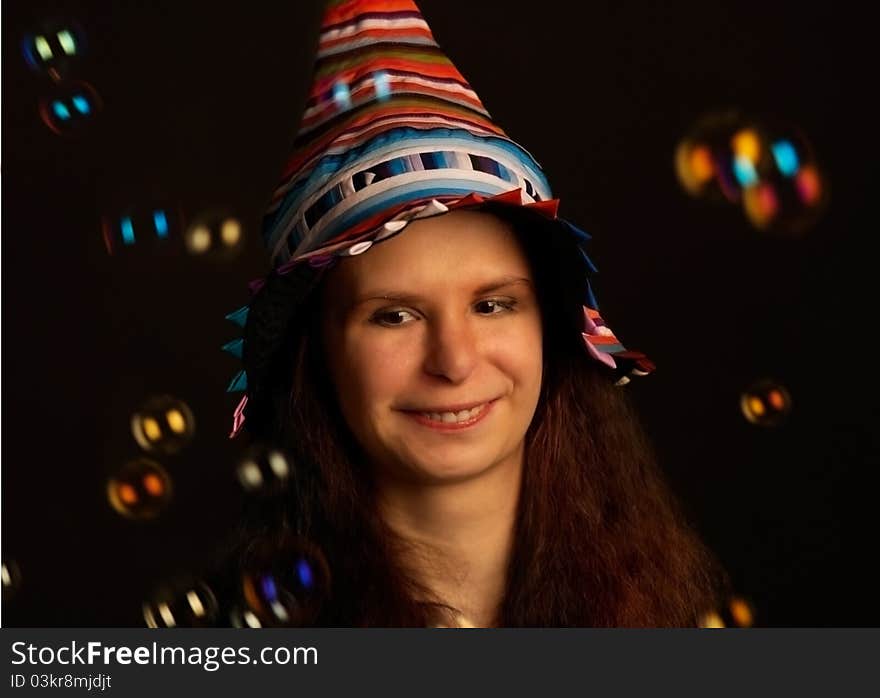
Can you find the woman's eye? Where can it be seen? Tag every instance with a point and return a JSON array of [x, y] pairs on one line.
[[493, 307], [392, 318]]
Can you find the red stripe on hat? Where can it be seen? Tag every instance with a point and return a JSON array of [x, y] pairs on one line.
[[347, 11]]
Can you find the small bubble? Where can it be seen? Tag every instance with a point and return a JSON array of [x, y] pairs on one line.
[[11, 576], [140, 228], [741, 612], [711, 620], [189, 606], [244, 618], [284, 583], [214, 236], [53, 48], [264, 470], [163, 424], [765, 403], [140, 490], [70, 108]]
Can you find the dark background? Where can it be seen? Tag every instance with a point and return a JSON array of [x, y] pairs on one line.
[[201, 105]]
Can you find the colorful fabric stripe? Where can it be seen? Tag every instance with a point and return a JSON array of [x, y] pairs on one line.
[[386, 104]]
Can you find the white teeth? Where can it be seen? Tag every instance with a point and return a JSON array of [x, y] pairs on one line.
[[453, 417]]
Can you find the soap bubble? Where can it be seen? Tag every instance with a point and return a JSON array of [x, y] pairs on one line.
[[11, 575], [140, 490], [705, 160], [736, 612], [765, 403], [264, 470], [284, 583], [190, 606], [215, 236], [244, 618], [140, 227], [791, 192], [70, 108], [765, 165], [54, 47], [163, 424]]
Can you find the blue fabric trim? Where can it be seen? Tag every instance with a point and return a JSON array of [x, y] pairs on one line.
[[234, 347], [239, 317], [238, 384]]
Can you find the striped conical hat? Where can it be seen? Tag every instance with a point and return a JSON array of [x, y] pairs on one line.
[[391, 133]]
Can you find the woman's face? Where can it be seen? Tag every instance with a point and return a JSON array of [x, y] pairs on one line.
[[434, 344]]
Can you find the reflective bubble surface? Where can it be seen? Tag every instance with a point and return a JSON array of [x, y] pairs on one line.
[[54, 47], [766, 166], [141, 489], [163, 424], [11, 577], [736, 612], [264, 470], [70, 108], [140, 227], [214, 236], [765, 403], [189, 606], [284, 583]]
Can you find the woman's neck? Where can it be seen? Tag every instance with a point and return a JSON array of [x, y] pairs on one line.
[[461, 535]]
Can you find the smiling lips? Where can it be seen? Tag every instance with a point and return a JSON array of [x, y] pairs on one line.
[[453, 420]]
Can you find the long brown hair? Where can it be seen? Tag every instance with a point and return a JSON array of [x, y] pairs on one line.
[[600, 540]]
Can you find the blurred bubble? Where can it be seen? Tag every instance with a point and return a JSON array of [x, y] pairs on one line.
[[70, 107], [140, 490], [284, 583], [244, 618], [264, 470], [163, 424], [11, 575], [704, 159], [54, 47], [191, 606], [736, 612], [765, 403], [741, 612], [137, 228], [792, 193], [767, 166], [711, 620], [215, 236]]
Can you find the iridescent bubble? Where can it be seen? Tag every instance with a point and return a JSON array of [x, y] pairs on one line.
[[140, 490], [214, 236], [140, 227], [791, 192], [190, 606], [11, 576], [765, 403], [705, 160], [712, 619], [70, 108], [735, 612], [284, 583], [741, 613], [54, 47], [244, 618], [264, 470], [766, 166], [163, 424]]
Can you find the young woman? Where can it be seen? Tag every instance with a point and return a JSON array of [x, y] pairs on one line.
[[429, 355]]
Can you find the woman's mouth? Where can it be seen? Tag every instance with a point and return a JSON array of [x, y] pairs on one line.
[[452, 420]]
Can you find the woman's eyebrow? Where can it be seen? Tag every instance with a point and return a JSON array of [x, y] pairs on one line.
[[403, 297]]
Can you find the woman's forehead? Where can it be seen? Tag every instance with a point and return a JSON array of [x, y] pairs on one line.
[[465, 248]]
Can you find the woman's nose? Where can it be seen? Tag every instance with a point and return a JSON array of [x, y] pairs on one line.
[[452, 351]]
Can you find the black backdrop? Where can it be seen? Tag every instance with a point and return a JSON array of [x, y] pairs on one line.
[[201, 103]]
